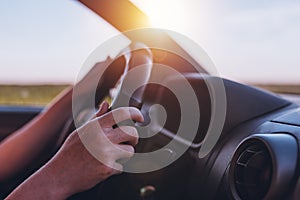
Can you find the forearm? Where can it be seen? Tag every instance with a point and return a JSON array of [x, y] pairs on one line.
[[22, 147], [41, 185], [74, 168]]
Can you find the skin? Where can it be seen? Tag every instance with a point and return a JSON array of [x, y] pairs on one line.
[[24, 146], [73, 169]]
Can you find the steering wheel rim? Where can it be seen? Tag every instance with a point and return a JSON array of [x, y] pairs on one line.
[[134, 55]]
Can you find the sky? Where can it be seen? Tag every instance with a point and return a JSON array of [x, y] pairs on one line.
[[47, 41], [253, 41]]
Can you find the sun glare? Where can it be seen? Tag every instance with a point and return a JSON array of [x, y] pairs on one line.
[[164, 13]]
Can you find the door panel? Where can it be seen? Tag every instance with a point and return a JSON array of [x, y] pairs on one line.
[[14, 117]]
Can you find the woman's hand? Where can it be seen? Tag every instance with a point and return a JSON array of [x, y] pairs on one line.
[[89, 156], [81, 170]]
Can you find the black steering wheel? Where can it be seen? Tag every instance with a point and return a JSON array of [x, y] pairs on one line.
[[124, 81], [123, 76]]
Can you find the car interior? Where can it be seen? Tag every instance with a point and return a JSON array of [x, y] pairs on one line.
[[256, 155]]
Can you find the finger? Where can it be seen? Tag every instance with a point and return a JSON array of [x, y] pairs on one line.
[[125, 151], [121, 114], [118, 168], [124, 134], [103, 108]]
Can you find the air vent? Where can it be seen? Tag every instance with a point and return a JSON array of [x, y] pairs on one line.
[[263, 167], [253, 171]]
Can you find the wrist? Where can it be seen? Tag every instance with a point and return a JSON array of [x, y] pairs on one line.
[[58, 186]]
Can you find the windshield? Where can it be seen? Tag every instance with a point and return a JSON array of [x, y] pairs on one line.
[[46, 42], [250, 41]]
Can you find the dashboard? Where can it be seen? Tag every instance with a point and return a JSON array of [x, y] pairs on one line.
[[254, 157]]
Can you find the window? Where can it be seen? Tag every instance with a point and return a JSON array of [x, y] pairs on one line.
[[43, 45]]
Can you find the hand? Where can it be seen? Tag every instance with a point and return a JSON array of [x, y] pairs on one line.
[[77, 169], [88, 156], [91, 78]]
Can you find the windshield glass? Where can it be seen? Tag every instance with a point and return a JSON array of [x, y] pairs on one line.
[[46, 42], [250, 41]]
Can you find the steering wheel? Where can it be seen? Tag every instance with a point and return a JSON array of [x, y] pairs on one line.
[[136, 75], [128, 73], [124, 76]]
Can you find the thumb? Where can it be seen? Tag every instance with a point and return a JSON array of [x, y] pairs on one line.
[[103, 108]]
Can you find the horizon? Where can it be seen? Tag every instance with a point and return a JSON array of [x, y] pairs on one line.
[[250, 42]]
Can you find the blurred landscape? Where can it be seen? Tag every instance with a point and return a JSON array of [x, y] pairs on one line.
[[31, 95], [283, 89], [40, 95]]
